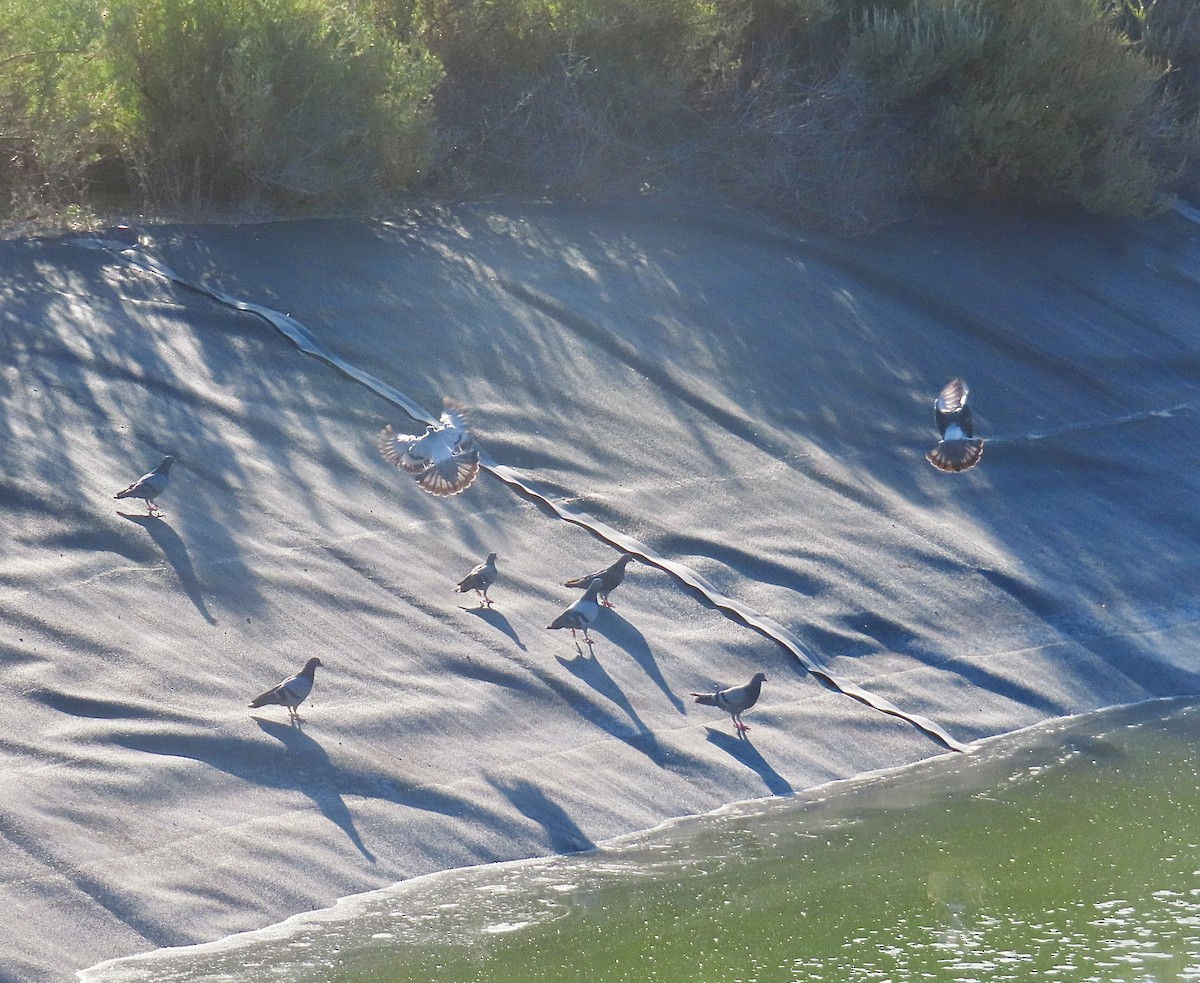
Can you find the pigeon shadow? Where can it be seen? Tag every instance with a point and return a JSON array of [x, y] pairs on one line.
[[562, 831], [176, 552], [303, 753], [590, 672], [498, 620], [742, 749], [630, 640]]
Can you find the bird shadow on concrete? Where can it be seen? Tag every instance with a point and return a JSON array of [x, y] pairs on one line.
[[590, 672], [743, 749], [562, 832], [630, 640], [497, 620], [309, 755], [176, 552], [301, 765]]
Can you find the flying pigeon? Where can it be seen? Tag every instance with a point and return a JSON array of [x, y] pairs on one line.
[[610, 578], [959, 449], [582, 613], [443, 459], [479, 580], [736, 700], [149, 486], [292, 691]]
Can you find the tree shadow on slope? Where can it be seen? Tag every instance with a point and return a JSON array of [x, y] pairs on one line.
[[563, 834], [105, 359], [299, 763], [612, 344]]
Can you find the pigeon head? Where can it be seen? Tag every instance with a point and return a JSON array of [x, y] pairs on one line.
[[312, 664], [491, 558], [759, 677], [166, 464]]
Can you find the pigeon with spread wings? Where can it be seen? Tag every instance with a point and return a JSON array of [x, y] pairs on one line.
[[443, 459], [959, 449]]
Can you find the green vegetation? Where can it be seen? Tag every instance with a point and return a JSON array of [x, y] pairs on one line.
[[843, 112]]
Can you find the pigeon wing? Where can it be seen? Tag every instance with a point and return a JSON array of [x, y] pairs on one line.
[[454, 417], [147, 486], [480, 578], [291, 692], [585, 580], [951, 407], [403, 450]]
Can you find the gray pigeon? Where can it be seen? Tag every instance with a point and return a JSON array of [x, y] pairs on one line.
[[736, 700], [610, 578], [580, 614], [479, 580], [443, 459], [959, 449], [292, 691], [150, 486]]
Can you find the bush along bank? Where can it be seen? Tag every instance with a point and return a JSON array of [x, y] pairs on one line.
[[839, 112]]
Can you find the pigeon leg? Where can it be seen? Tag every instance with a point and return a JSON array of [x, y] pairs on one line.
[[587, 638]]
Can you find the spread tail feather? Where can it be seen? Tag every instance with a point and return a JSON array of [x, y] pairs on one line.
[[450, 477], [956, 455]]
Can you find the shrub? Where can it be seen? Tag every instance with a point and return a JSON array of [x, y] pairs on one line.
[[838, 111], [567, 98], [1028, 98], [297, 99], [57, 102]]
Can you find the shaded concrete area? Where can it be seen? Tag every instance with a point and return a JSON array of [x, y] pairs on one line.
[[745, 400]]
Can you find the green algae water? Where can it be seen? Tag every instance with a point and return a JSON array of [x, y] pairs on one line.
[[1069, 852]]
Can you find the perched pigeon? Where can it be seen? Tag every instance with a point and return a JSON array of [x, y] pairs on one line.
[[610, 578], [736, 700], [150, 486], [292, 691], [443, 459], [959, 449], [479, 580], [580, 614]]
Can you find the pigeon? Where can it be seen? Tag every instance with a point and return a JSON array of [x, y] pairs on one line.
[[736, 700], [150, 486], [479, 580], [610, 578], [292, 691], [959, 449], [443, 459], [582, 613]]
